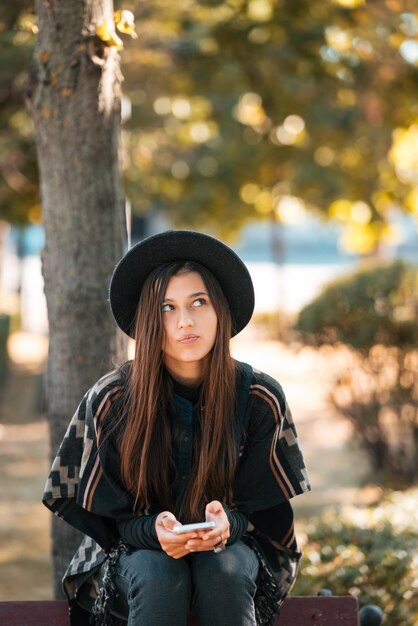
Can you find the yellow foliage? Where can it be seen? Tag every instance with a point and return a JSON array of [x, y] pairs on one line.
[[201, 107], [350, 4], [381, 201], [263, 203], [338, 38], [28, 22], [21, 122], [340, 210], [125, 23], [350, 158], [250, 110], [360, 238], [404, 153], [22, 38], [396, 40], [209, 45], [346, 97], [411, 201], [361, 213], [260, 10], [249, 192], [196, 132], [106, 32]]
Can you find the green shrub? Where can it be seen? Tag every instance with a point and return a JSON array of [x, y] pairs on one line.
[[374, 310], [377, 304], [378, 393], [371, 553]]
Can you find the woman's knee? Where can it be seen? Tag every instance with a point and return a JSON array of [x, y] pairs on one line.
[[235, 568], [153, 588], [154, 572]]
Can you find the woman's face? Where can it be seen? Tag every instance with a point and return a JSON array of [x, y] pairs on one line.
[[190, 326]]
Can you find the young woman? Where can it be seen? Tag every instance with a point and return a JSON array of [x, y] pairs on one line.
[[182, 434]]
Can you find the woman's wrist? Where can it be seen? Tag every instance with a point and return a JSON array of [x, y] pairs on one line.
[[238, 523]]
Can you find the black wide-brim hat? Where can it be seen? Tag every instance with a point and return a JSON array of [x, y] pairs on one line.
[[180, 245]]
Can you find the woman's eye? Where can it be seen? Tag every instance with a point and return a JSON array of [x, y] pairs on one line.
[[199, 302], [167, 307]]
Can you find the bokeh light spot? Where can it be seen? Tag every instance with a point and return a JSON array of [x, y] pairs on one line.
[[324, 156], [181, 108], [291, 210], [180, 170], [409, 51], [249, 192], [162, 106], [294, 124], [260, 10], [361, 212], [200, 132]]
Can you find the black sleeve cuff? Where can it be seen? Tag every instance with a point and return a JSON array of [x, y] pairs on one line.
[[238, 523], [140, 532]]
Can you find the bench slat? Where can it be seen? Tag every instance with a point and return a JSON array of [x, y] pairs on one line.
[[34, 613], [319, 611], [296, 611]]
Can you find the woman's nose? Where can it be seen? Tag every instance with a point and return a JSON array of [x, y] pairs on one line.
[[185, 319]]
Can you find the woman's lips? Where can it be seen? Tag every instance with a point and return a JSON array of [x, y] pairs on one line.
[[189, 339]]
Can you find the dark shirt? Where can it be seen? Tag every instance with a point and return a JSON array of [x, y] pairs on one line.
[[139, 531]]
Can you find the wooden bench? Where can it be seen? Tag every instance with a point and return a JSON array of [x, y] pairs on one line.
[[296, 611]]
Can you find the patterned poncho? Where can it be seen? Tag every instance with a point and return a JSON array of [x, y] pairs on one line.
[[85, 489]]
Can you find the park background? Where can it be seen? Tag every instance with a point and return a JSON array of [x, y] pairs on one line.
[[290, 130]]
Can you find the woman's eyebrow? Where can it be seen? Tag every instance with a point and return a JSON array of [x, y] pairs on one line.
[[192, 295]]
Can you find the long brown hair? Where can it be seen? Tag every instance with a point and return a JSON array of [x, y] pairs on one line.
[[145, 442]]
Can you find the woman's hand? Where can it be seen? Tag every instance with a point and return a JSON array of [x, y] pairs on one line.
[[173, 545], [207, 540]]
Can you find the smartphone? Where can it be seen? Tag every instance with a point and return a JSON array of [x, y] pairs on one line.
[[187, 528]]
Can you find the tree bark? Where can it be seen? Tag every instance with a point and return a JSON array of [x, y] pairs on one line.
[[73, 94]]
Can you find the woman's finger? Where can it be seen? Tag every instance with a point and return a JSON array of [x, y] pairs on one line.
[[201, 545]]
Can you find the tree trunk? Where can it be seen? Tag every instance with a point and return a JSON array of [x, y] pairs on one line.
[[73, 94]]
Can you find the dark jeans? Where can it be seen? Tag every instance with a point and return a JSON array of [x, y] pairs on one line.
[[157, 590]]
